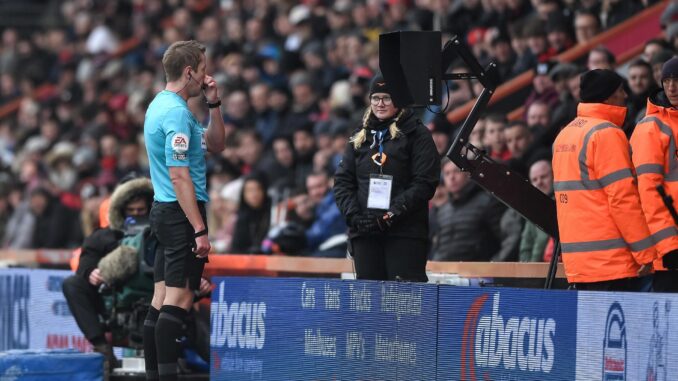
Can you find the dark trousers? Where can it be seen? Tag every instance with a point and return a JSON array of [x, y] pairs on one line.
[[624, 284], [390, 258], [86, 305], [665, 281]]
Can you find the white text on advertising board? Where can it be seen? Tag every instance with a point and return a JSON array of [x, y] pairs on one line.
[[238, 324], [524, 343]]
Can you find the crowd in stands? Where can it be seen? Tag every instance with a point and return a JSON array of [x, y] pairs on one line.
[[294, 78]]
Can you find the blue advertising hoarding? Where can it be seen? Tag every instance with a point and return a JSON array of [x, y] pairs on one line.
[[506, 334], [303, 329], [34, 313]]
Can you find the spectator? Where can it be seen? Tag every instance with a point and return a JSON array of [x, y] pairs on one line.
[[265, 119], [614, 12], [254, 211], [280, 170], [129, 160], [518, 137], [441, 131], [538, 116], [304, 106], [600, 58], [533, 240], [503, 55], [538, 49], [493, 138], [586, 26], [657, 61], [641, 85], [558, 33], [304, 146], [511, 225], [467, 227], [328, 223], [653, 47], [224, 215], [672, 36], [543, 89], [561, 75], [18, 233], [56, 226]]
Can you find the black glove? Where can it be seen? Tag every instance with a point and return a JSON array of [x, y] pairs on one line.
[[384, 222], [391, 217], [670, 260], [364, 223]]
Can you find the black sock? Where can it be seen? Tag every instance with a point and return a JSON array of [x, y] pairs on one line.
[[168, 331], [150, 353]]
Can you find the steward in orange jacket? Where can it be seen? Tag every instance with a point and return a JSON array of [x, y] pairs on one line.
[[656, 161], [605, 241]]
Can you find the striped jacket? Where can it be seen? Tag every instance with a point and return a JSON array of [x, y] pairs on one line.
[[655, 159], [603, 232]]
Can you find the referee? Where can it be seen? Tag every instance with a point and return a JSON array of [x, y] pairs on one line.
[[176, 145]]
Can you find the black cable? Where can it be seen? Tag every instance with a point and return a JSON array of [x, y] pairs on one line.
[[447, 102]]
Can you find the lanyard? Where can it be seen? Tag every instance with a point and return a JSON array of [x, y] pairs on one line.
[[380, 158]]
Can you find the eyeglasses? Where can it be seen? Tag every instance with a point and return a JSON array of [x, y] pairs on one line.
[[386, 99]]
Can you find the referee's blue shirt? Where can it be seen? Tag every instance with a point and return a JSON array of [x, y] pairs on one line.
[[174, 139]]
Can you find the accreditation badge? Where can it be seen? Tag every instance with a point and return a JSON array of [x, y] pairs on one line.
[[379, 196]]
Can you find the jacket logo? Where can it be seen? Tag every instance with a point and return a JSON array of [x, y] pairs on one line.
[[380, 84]]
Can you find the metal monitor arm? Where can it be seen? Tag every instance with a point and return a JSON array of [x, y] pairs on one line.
[[508, 186]]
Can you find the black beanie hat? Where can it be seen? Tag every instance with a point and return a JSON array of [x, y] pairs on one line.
[[670, 69], [598, 85], [378, 85]]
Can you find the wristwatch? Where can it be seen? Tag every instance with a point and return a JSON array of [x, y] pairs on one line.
[[215, 104]]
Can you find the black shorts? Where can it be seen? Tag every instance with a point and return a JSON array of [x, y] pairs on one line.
[[175, 261]]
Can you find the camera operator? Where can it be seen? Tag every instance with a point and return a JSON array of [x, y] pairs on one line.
[[131, 198]]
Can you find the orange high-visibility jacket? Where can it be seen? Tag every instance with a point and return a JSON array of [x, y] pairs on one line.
[[654, 157], [603, 233]]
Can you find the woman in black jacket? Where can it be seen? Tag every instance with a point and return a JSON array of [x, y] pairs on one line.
[[254, 214], [388, 174]]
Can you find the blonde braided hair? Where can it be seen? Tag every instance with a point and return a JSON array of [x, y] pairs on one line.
[[359, 137]]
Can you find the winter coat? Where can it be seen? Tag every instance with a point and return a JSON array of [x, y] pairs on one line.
[[412, 160], [468, 227], [654, 156], [603, 233], [103, 241]]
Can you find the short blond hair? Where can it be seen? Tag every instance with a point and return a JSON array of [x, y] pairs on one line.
[[179, 55]]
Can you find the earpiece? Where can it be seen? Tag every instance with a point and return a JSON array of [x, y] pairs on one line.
[[202, 85]]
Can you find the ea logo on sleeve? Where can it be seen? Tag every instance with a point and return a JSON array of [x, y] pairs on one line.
[[180, 142], [179, 146]]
